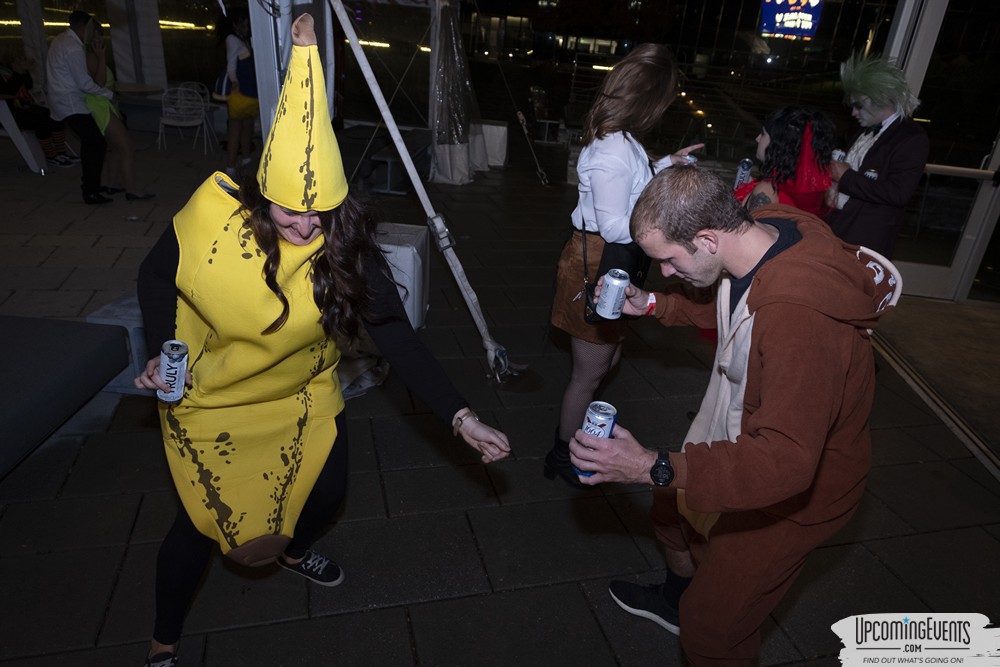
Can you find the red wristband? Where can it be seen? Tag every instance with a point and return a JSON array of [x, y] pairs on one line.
[[650, 304]]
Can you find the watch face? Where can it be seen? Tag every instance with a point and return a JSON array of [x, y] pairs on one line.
[[662, 473]]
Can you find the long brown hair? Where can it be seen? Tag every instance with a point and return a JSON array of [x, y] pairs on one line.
[[634, 95], [340, 288]]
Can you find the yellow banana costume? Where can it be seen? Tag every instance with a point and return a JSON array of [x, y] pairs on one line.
[[247, 442]]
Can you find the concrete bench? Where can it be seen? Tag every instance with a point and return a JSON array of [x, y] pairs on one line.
[[49, 369], [394, 180]]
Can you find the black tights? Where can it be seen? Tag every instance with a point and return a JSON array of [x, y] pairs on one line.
[[591, 364], [184, 553]]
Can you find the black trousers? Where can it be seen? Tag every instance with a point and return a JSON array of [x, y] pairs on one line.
[[92, 150], [185, 553]]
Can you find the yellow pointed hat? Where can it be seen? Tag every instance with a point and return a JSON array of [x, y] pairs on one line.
[[301, 168]]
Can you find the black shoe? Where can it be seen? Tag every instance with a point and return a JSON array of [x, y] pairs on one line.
[[60, 160], [316, 569], [96, 199], [161, 660], [557, 463], [131, 197], [647, 602]]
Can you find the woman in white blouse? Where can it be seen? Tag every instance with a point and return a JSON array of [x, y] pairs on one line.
[[614, 167]]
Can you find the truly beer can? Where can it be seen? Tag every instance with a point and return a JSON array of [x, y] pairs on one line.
[[598, 421], [173, 370], [609, 304]]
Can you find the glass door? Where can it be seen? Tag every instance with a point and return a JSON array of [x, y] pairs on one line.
[[945, 49]]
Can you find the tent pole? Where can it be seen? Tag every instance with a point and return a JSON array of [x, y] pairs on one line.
[[500, 367]]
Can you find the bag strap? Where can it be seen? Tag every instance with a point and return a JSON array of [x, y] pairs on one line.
[[586, 278]]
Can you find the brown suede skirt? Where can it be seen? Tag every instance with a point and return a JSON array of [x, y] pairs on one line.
[[567, 314]]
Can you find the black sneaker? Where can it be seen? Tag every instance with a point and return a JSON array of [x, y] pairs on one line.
[[96, 199], [647, 602], [161, 660], [61, 160], [316, 569]]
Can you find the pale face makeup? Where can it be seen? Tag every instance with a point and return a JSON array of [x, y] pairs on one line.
[[866, 112], [763, 141]]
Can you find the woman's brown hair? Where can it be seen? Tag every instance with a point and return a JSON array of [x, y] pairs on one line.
[[634, 95], [340, 288]]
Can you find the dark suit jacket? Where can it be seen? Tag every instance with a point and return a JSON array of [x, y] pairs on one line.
[[874, 214]]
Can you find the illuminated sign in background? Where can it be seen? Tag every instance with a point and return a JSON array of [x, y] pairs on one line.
[[790, 19]]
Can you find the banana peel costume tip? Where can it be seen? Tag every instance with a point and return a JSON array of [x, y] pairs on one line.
[[301, 168]]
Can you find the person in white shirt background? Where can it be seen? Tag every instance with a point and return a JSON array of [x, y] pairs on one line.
[[67, 82], [614, 167]]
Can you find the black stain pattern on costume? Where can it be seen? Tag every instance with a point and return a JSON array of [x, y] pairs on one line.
[[308, 173], [291, 455], [222, 513], [225, 518]]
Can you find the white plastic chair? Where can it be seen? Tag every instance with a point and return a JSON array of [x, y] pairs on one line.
[[210, 107], [182, 107]]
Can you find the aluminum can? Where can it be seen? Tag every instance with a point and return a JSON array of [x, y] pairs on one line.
[[743, 172], [599, 421], [173, 369], [838, 155], [609, 304]]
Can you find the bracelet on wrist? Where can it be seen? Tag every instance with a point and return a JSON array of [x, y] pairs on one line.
[[461, 419], [650, 304]]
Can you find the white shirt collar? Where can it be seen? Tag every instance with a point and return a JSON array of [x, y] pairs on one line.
[[889, 121]]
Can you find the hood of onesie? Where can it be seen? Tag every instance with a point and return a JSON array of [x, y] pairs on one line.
[[820, 272], [301, 168]]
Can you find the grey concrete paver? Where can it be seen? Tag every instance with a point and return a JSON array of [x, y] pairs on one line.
[[972, 583], [933, 496], [535, 627], [400, 561], [60, 600], [379, 637]]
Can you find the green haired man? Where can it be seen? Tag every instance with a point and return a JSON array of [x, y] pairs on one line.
[[886, 160]]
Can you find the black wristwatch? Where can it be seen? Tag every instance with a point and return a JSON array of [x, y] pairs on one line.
[[662, 472]]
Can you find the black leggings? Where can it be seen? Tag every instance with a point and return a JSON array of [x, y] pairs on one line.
[[184, 553]]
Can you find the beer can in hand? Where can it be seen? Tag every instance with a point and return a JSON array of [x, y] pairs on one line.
[[599, 421], [743, 172], [609, 304], [173, 370], [838, 155]]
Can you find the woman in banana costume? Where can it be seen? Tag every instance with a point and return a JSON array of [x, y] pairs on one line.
[[260, 280]]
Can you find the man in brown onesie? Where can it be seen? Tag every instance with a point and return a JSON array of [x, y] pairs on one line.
[[776, 459]]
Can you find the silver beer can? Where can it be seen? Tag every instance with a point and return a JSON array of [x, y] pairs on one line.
[[743, 172], [173, 370], [599, 421], [609, 304]]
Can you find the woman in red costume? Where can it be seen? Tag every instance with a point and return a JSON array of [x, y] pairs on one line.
[[793, 149]]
